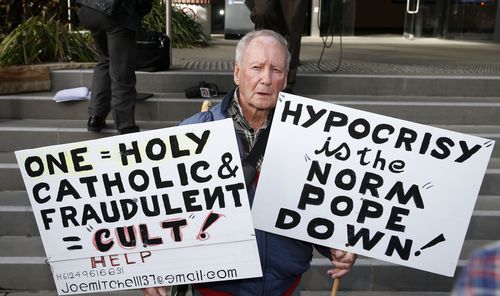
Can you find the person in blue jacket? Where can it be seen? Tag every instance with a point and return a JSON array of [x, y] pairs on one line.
[[260, 73]]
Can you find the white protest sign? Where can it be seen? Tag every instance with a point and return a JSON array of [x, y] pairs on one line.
[[369, 184], [160, 207]]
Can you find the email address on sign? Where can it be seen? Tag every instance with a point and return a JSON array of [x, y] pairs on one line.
[[150, 280]]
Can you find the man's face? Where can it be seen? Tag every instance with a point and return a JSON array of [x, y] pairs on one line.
[[261, 74]]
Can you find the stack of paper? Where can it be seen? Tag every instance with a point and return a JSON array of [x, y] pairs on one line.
[[72, 94]]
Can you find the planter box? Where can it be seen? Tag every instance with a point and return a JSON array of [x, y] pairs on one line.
[[25, 78]]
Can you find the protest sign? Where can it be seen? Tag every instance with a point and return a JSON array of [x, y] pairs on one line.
[[369, 184], [160, 207]]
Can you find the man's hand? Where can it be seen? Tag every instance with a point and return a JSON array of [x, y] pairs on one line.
[[156, 291], [342, 263]]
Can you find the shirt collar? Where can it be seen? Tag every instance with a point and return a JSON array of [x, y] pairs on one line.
[[236, 112]]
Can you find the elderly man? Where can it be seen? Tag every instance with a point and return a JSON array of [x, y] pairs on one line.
[[260, 73]]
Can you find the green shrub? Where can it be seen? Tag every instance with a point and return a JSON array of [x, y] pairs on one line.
[[186, 32], [39, 40], [44, 39]]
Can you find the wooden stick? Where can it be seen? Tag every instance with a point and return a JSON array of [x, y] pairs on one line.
[[336, 283], [335, 287]]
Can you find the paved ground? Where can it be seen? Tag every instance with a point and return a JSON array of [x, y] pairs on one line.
[[359, 55]]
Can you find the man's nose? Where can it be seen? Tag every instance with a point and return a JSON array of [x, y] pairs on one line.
[[267, 76]]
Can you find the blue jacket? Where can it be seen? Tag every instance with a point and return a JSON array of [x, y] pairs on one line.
[[283, 259]]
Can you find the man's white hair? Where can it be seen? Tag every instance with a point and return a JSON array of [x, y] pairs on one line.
[[245, 41]]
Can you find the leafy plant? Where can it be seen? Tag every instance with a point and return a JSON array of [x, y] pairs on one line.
[[45, 37], [38, 40], [186, 32], [15, 12]]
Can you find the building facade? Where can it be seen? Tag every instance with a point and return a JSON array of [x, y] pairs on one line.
[[447, 19]]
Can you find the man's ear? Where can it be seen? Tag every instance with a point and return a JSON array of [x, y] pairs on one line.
[[236, 74]]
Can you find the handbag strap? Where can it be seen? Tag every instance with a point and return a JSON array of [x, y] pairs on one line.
[[259, 147]]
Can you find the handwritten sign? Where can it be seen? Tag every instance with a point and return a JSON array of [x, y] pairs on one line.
[[369, 184], [154, 208]]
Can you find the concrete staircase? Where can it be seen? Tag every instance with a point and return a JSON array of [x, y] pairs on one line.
[[468, 104]]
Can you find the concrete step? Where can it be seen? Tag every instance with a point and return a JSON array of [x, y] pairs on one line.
[[468, 247], [12, 180], [31, 246], [426, 110], [22, 257], [460, 103], [418, 85], [487, 203], [17, 219], [30, 133], [383, 278], [366, 276], [160, 107], [463, 103], [20, 198], [377, 276], [175, 107], [21, 134], [307, 83]]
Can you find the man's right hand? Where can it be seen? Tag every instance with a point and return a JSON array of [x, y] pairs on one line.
[[155, 291]]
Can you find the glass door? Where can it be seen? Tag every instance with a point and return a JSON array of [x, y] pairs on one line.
[[412, 9], [471, 19]]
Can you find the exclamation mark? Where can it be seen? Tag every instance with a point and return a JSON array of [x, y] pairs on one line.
[[437, 240], [212, 217]]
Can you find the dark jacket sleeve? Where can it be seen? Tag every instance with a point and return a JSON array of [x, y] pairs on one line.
[[325, 251], [144, 6], [137, 8]]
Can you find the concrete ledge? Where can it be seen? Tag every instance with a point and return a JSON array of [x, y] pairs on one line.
[[307, 83], [20, 221], [368, 275], [375, 276], [175, 107]]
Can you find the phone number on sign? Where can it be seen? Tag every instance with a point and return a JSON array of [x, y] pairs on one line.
[[90, 273]]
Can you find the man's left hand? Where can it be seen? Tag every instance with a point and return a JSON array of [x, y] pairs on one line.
[[342, 262]]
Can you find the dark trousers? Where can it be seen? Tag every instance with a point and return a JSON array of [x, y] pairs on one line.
[[113, 82], [286, 17]]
